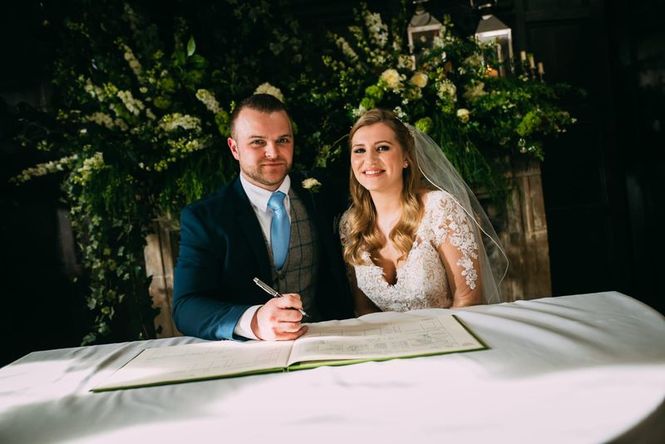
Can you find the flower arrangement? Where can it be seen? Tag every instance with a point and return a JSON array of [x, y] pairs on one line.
[[454, 94]]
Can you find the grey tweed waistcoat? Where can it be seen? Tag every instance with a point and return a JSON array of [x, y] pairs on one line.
[[299, 272]]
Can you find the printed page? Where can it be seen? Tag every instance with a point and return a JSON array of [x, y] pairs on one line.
[[205, 360], [413, 336]]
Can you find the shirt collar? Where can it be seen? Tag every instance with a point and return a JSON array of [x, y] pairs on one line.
[[258, 196]]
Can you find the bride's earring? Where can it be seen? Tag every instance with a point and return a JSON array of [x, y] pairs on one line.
[[406, 164]]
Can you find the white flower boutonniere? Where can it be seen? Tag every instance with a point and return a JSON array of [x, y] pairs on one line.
[[311, 184]]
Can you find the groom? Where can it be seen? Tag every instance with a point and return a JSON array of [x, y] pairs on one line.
[[263, 224]]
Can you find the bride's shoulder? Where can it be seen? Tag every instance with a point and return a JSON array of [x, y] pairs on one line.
[[435, 198]]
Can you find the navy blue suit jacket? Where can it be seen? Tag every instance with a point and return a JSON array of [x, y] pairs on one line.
[[222, 249]]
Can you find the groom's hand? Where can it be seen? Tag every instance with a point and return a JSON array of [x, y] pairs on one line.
[[279, 319]]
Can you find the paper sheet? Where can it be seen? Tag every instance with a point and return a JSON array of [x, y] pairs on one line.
[[198, 361], [420, 336]]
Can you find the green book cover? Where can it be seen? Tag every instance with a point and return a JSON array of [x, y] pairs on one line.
[[350, 341]]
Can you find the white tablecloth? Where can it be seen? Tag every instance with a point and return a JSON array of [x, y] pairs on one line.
[[582, 368]]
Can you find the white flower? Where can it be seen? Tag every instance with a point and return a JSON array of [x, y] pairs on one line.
[[102, 119], [474, 91], [474, 60], [463, 115], [346, 48], [90, 88], [357, 112], [447, 89], [42, 169], [95, 91], [311, 184], [170, 122], [378, 31], [391, 78], [90, 165], [133, 105], [406, 62], [399, 113], [209, 100], [378, 60], [419, 79], [267, 88], [121, 124], [131, 59]]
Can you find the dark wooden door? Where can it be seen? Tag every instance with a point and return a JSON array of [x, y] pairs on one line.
[[603, 182]]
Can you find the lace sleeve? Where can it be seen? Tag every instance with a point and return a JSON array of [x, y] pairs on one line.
[[451, 227]]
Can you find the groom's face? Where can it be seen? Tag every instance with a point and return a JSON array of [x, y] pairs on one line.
[[262, 143]]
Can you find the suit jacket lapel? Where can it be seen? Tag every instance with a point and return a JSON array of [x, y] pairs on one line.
[[246, 220]]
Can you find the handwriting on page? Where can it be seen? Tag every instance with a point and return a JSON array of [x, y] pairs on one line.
[[407, 338]]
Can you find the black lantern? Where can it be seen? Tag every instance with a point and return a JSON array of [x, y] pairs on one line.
[[491, 29], [422, 29]]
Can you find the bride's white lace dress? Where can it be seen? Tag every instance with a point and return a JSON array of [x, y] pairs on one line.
[[421, 278]]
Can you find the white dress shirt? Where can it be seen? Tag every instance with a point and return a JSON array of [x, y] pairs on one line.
[[259, 197]]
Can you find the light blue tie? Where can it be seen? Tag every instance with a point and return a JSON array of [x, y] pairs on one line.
[[280, 230]]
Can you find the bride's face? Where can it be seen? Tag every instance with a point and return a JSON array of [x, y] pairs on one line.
[[377, 158]]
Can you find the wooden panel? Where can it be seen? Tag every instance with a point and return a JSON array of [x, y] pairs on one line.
[[160, 253], [582, 172], [524, 236]]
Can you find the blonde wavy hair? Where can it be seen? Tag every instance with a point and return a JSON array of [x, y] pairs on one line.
[[363, 233]]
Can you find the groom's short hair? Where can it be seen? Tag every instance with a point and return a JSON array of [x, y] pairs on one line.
[[264, 103]]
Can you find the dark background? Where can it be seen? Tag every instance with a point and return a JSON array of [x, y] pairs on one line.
[[603, 182]]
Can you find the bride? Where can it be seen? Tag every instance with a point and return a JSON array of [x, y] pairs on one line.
[[415, 236]]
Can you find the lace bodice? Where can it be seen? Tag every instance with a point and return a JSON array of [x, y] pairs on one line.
[[421, 278]]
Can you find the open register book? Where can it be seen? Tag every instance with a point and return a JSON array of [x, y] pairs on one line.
[[326, 343]]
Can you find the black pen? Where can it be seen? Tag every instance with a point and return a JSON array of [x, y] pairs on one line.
[[272, 292]]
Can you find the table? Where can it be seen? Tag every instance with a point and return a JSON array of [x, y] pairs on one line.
[[580, 368]]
